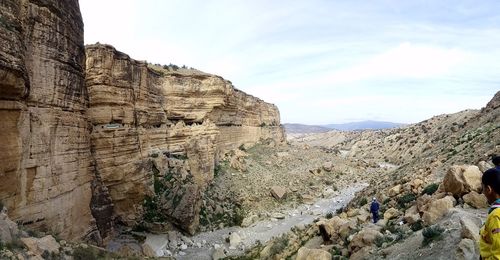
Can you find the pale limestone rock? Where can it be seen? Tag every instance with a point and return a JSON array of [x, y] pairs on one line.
[[470, 228], [249, 220], [352, 212], [328, 228], [278, 192], [46, 161], [218, 254], [411, 215], [391, 213], [155, 245], [461, 179], [8, 228], [437, 209], [467, 249], [328, 166], [234, 239], [305, 253], [363, 238], [39, 245], [476, 200], [396, 190]]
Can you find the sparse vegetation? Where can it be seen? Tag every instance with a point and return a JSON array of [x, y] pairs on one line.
[[405, 199], [431, 234], [417, 225], [279, 245], [430, 189], [329, 215], [363, 201]]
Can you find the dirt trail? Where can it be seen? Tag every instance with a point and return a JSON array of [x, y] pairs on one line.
[[205, 243]]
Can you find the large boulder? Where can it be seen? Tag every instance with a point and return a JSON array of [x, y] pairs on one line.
[[364, 238], [437, 209], [305, 253], [470, 227], [475, 200], [462, 179], [234, 239], [329, 228], [155, 245], [467, 249], [391, 213], [411, 215], [39, 245], [8, 228], [396, 190]]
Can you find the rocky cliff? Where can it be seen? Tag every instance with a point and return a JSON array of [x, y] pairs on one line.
[[156, 133], [145, 145], [45, 165]]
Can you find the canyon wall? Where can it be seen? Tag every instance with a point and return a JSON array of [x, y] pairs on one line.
[[118, 140], [45, 165], [156, 132]]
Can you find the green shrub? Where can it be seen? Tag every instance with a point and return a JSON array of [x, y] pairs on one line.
[[81, 253], [380, 240], [407, 198], [417, 225], [431, 233], [362, 201], [279, 245], [430, 189], [329, 215]]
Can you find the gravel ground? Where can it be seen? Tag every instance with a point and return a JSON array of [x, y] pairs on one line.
[[265, 230]]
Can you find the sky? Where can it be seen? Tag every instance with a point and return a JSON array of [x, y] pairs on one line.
[[320, 61]]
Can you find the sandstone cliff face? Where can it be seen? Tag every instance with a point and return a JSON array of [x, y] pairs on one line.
[[45, 158], [156, 133]]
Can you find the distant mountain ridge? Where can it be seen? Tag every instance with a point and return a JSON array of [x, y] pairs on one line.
[[361, 125], [302, 129]]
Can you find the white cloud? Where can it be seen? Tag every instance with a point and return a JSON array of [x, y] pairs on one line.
[[405, 61]]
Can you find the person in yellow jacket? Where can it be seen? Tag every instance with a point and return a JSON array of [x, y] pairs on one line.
[[489, 241]]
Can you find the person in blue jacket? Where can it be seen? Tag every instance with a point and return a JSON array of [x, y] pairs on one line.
[[374, 207]]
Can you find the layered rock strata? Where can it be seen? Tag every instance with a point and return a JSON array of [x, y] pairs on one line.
[[156, 133], [45, 159]]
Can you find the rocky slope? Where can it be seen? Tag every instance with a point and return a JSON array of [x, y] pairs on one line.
[[118, 135], [431, 204]]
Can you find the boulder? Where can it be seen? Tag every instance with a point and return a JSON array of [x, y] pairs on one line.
[[391, 213], [422, 202], [462, 179], [416, 183], [307, 199], [484, 166], [249, 220], [411, 215], [40, 245], [363, 238], [218, 254], [352, 212], [470, 228], [396, 190], [155, 245], [8, 228], [278, 192], [234, 239], [467, 249], [305, 253], [437, 209], [475, 200], [328, 228], [328, 166]]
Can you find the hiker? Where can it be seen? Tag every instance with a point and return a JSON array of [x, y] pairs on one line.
[[496, 161], [374, 207], [489, 241]]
